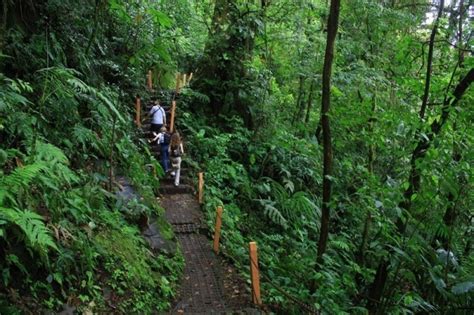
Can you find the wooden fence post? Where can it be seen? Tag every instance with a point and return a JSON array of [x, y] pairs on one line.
[[173, 110], [217, 231], [138, 109], [200, 187], [254, 273], [183, 82], [149, 81], [178, 76], [190, 77]]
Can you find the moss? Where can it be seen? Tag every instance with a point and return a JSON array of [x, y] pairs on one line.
[[126, 248], [165, 228]]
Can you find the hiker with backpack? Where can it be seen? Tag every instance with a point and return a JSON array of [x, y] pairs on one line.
[[158, 117], [163, 139], [176, 151]]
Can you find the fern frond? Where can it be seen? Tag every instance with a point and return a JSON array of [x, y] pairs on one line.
[[200, 97], [277, 191], [49, 153], [4, 195], [300, 204], [21, 177], [84, 136], [10, 93], [273, 213], [32, 225]]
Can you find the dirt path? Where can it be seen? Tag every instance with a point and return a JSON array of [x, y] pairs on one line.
[[209, 284]]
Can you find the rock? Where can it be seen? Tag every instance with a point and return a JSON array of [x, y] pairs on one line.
[[67, 310], [157, 242]]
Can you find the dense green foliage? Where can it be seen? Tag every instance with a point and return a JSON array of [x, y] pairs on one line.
[[401, 221], [68, 73], [269, 177]]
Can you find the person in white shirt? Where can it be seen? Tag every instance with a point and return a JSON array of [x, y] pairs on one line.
[[163, 139], [176, 151], [158, 117]]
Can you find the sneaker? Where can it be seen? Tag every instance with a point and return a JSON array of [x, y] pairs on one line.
[[176, 185], [173, 173]]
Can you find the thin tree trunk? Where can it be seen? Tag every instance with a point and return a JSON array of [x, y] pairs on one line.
[[333, 21], [450, 215], [3, 26], [430, 61], [435, 128], [460, 34], [378, 285], [299, 100], [319, 129]]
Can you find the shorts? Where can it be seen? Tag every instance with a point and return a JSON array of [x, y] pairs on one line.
[[155, 127]]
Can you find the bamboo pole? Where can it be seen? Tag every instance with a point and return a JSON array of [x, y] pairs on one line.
[[200, 187], [138, 109], [173, 110], [217, 231], [254, 273], [149, 80]]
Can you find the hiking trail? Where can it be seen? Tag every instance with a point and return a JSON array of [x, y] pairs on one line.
[[209, 284]]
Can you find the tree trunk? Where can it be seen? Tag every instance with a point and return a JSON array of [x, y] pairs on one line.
[[430, 61], [299, 100], [419, 153], [333, 21], [450, 215]]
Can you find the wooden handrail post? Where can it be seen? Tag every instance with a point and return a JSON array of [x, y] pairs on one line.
[[254, 274], [149, 81], [217, 231], [138, 109], [173, 110], [200, 187], [190, 77], [183, 82], [178, 76]]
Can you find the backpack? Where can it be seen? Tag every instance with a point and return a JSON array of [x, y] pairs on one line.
[[166, 138]]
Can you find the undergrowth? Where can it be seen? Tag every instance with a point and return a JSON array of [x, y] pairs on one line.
[[66, 239]]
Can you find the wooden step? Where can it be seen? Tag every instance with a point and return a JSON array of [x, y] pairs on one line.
[[169, 180], [180, 189], [155, 148]]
